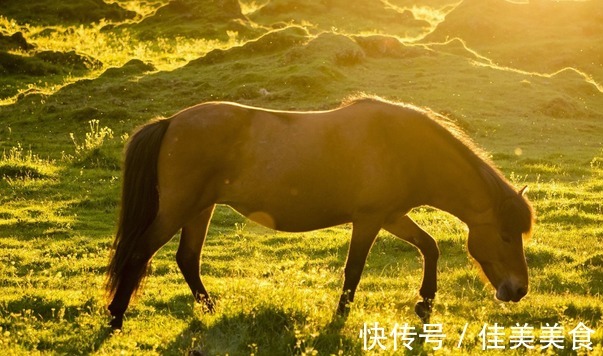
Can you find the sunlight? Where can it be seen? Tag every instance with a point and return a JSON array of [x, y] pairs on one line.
[[432, 15]]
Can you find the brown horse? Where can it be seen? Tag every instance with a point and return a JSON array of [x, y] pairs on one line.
[[369, 163]]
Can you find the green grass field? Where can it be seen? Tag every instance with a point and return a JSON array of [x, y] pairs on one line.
[[524, 80]]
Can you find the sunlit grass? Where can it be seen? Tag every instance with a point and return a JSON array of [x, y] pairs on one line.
[[432, 15], [142, 8], [18, 163], [249, 7], [276, 292], [112, 49]]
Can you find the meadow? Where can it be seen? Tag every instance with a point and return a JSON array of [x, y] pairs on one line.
[[523, 79]]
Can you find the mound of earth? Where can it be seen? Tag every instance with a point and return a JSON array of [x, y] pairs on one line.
[[541, 35], [281, 64], [14, 41], [196, 19], [386, 46], [17, 69], [356, 17], [51, 12], [565, 108], [44, 63], [328, 49], [20, 171], [70, 60], [275, 41], [132, 67]]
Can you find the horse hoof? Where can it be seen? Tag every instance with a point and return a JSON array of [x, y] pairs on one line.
[[116, 323], [209, 308], [423, 311], [343, 309], [207, 305], [342, 312]]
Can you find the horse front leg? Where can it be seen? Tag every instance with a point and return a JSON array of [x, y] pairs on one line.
[[404, 228], [189, 256], [364, 233]]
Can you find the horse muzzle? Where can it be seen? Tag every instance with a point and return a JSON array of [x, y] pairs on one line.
[[509, 291]]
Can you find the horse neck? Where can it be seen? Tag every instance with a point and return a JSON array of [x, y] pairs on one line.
[[463, 189]]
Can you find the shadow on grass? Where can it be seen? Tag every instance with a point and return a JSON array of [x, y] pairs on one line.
[[47, 308], [180, 306], [29, 230], [91, 342], [264, 330], [30, 315]]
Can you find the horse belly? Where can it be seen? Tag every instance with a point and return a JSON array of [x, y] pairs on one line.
[[286, 212], [289, 223]]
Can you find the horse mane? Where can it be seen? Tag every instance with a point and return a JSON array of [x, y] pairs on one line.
[[515, 211]]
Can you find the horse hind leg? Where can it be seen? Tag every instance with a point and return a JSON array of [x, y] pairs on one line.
[[406, 229], [189, 255], [157, 234]]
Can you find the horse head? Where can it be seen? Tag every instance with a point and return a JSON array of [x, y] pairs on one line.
[[497, 246]]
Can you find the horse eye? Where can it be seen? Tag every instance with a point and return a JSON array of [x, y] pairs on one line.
[[508, 236]]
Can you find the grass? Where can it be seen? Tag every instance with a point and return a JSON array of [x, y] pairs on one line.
[[62, 135]]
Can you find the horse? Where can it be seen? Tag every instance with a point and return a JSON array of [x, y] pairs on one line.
[[367, 162]]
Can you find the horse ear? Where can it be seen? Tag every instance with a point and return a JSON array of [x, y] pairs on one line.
[[523, 191]]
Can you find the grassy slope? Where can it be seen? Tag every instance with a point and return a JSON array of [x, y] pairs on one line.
[[276, 291], [542, 36]]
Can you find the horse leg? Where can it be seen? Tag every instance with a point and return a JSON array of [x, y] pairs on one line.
[[189, 255], [363, 237], [157, 235], [404, 228]]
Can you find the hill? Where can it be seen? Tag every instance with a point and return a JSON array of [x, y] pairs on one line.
[[371, 16], [541, 35]]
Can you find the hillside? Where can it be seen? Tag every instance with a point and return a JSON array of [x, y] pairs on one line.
[[541, 36], [315, 64]]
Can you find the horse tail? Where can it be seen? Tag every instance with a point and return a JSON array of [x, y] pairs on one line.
[[139, 198]]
